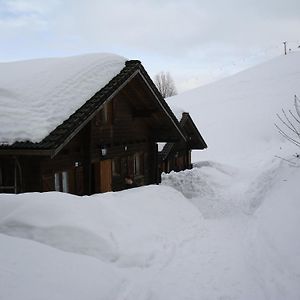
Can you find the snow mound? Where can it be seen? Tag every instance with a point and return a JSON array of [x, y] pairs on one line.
[[209, 186], [106, 226], [38, 95], [219, 190], [34, 271]]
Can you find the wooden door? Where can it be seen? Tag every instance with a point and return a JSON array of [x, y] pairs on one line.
[[105, 175]]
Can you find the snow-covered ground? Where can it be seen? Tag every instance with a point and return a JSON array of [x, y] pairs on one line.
[[227, 229]]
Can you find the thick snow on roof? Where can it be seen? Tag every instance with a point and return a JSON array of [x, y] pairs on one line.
[[38, 95]]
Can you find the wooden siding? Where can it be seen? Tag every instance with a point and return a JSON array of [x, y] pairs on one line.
[[73, 159], [105, 176]]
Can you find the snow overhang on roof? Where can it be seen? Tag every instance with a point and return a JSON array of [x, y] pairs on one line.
[[38, 95]]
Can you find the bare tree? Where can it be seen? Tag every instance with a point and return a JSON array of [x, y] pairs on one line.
[[290, 123], [165, 84]]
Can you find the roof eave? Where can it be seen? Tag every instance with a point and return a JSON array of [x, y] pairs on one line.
[[26, 152]]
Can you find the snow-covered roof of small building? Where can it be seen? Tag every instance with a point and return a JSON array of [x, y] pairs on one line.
[[38, 95], [195, 139]]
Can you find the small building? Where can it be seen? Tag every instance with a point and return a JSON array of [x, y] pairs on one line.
[[176, 156], [81, 124]]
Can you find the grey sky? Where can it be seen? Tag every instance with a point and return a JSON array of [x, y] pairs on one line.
[[197, 41]]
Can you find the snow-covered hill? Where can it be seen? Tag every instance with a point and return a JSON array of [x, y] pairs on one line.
[[227, 229], [236, 115]]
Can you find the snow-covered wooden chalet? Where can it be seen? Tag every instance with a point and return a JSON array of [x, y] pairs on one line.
[[81, 124], [176, 156]]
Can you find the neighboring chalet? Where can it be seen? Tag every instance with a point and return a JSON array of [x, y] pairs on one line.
[[81, 124], [176, 156]]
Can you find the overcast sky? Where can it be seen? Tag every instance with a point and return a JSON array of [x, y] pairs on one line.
[[196, 41]]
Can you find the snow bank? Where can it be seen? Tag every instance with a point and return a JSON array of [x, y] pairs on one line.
[[209, 186], [128, 228], [38, 95], [272, 236], [32, 271], [132, 234]]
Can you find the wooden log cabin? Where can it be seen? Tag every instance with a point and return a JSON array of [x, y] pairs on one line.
[[112, 134]]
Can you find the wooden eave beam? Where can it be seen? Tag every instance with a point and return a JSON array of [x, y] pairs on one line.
[[31, 152]]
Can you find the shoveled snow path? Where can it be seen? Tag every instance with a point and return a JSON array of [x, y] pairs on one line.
[[210, 265]]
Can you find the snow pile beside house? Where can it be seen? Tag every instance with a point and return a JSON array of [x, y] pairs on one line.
[[127, 228], [38, 95], [210, 187], [109, 241]]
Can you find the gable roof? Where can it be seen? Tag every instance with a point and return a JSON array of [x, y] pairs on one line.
[[195, 139], [119, 74]]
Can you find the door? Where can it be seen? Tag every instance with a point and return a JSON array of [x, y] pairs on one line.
[[105, 176]]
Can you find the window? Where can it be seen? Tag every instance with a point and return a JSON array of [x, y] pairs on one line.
[[139, 164], [61, 181]]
